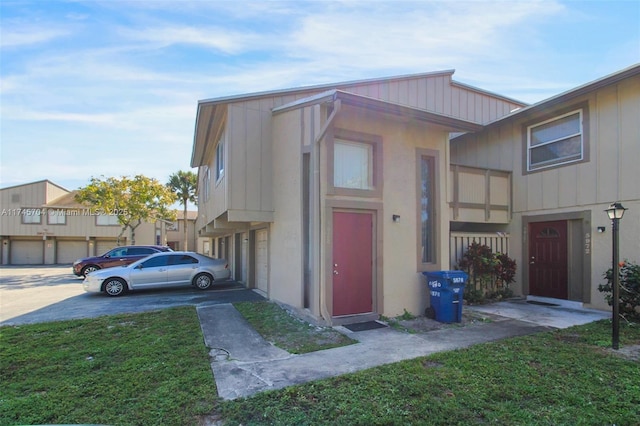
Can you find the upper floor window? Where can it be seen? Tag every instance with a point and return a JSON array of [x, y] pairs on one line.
[[107, 220], [31, 216], [219, 161], [557, 141], [56, 217], [355, 163]]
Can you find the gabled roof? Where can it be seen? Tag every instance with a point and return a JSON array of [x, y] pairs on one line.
[[211, 113], [45, 181], [352, 83], [377, 105], [573, 93]]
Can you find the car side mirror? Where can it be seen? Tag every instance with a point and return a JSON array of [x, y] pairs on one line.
[[139, 266]]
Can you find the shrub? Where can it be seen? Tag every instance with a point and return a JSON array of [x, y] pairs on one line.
[[489, 273], [629, 279]]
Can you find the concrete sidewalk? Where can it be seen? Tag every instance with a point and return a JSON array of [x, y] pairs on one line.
[[243, 363]]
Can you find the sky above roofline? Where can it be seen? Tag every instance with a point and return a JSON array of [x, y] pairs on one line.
[[111, 88]]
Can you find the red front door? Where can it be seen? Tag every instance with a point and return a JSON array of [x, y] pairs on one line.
[[548, 273], [352, 263]]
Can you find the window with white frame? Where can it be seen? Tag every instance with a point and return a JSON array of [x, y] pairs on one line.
[[107, 220], [352, 165], [219, 161], [557, 141]]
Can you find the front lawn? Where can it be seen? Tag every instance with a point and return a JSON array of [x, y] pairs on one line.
[[153, 369], [567, 377], [140, 369]]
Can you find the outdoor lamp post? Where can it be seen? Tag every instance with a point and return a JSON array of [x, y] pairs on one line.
[[615, 213]]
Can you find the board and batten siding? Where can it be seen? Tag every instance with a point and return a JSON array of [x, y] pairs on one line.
[[246, 189], [440, 95], [613, 148]]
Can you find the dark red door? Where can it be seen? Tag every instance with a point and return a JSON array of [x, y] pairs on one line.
[[548, 273], [352, 263]]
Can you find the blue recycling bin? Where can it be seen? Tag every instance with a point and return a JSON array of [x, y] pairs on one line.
[[446, 290]]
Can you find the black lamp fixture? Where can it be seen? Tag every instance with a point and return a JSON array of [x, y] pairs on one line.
[[615, 213]]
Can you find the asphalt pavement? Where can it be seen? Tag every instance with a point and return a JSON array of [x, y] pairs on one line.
[[36, 294]]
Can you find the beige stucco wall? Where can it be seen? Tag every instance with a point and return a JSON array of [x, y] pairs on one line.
[[285, 233], [400, 286]]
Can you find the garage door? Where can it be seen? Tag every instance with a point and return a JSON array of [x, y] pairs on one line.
[[27, 252], [103, 246], [69, 251], [262, 259]]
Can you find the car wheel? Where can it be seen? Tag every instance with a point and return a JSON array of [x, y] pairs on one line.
[[89, 268], [203, 281], [114, 286]]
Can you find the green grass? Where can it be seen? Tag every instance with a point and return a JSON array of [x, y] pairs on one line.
[[142, 369], [153, 369], [567, 377], [287, 332]]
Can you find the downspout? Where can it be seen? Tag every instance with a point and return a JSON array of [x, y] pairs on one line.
[[318, 228]]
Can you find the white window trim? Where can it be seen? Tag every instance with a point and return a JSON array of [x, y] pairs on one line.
[[530, 167]]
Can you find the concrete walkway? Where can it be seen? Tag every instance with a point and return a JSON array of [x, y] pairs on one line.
[[244, 364]]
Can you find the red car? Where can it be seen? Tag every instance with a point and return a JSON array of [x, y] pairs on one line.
[[118, 256]]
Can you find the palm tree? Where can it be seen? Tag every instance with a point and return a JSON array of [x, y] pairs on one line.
[[183, 184]]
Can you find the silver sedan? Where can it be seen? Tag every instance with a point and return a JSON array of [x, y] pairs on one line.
[[159, 270]]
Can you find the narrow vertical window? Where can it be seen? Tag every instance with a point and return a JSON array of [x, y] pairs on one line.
[[427, 209], [219, 161]]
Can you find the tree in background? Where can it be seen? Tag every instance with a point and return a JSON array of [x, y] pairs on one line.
[[183, 185], [132, 200]]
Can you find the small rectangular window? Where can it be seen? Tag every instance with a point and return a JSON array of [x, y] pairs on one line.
[[556, 141], [107, 220], [353, 165], [56, 217], [31, 216]]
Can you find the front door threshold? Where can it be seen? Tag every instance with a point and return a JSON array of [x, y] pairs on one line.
[[352, 319], [571, 304]]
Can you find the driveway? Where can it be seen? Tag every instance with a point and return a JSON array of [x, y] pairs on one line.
[[34, 294]]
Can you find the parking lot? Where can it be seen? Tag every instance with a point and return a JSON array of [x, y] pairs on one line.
[[34, 294]]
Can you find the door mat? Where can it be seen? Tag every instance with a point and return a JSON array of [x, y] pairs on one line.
[[364, 326], [535, 302]]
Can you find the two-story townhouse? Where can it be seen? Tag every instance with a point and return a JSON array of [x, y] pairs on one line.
[[41, 223], [570, 157], [333, 199]]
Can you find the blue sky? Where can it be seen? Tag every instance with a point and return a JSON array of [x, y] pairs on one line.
[[110, 88]]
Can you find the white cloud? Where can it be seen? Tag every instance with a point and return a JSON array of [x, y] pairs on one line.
[[28, 35], [129, 74]]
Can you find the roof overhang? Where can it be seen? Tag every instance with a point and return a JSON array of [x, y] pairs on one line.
[[209, 123]]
